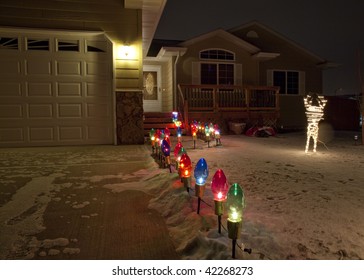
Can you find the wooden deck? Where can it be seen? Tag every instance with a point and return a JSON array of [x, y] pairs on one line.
[[251, 104]]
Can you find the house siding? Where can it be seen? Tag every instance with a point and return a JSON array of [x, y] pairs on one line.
[[250, 67]]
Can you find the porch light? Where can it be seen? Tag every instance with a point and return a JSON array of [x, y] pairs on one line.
[[126, 51], [235, 204], [185, 166], [219, 188], [201, 173]]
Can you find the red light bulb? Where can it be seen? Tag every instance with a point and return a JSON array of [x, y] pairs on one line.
[[219, 186]]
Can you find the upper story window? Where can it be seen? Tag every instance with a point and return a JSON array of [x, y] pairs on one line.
[[289, 82], [8, 43], [216, 54]]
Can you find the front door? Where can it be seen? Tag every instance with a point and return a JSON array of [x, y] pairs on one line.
[[152, 95]]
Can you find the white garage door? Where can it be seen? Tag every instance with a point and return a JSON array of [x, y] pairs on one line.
[[55, 89]]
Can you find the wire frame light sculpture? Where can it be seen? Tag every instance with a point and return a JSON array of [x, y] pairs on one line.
[[314, 105]]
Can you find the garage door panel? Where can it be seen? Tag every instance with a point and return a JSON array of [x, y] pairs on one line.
[[69, 133], [98, 132], [69, 110], [40, 111], [10, 89], [11, 111], [10, 67], [41, 134], [39, 89], [98, 110], [38, 67], [69, 89], [100, 89], [97, 68], [68, 68], [11, 135]]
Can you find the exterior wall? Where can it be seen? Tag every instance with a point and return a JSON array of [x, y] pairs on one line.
[[128, 70], [167, 87], [250, 67], [291, 57], [129, 114]]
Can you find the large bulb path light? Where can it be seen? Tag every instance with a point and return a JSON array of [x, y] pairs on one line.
[[235, 204], [201, 173], [185, 166], [219, 188], [152, 138], [175, 152], [166, 150]]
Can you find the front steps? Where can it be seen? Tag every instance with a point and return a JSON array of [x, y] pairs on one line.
[[158, 120]]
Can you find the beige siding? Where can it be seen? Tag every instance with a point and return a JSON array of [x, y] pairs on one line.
[[167, 85], [250, 67]]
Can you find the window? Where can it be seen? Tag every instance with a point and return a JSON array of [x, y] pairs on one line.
[[217, 74], [68, 45], [217, 55], [7, 43], [40, 45], [289, 82], [96, 46]]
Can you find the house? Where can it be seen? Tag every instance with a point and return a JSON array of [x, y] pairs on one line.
[[71, 71], [77, 72], [249, 73]]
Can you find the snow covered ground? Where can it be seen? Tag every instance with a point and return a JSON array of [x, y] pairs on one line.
[[299, 206]]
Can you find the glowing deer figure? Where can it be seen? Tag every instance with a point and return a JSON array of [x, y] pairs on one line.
[[314, 105]]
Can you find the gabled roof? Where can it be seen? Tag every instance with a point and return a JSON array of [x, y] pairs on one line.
[[224, 35], [158, 45], [247, 26]]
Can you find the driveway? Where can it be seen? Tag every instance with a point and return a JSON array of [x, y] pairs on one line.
[[88, 202]]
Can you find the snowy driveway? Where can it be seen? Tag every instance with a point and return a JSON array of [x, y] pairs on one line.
[[80, 203]]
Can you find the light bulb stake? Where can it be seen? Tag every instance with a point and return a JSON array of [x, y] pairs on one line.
[[234, 230], [199, 192], [187, 183], [219, 210]]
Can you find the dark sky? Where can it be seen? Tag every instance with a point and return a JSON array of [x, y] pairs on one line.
[[331, 29]]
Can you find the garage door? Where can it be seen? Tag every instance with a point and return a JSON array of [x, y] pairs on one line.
[[55, 89]]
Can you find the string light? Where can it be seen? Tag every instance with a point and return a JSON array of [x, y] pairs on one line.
[[314, 105]]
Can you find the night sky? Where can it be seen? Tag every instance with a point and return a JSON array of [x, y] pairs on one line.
[[333, 30]]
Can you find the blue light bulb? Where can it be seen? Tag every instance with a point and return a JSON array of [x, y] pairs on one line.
[[166, 149], [179, 131], [201, 172]]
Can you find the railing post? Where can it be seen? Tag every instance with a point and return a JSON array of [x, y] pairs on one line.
[[214, 99], [185, 115]]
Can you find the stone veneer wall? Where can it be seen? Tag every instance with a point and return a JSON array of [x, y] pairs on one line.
[[129, 118]]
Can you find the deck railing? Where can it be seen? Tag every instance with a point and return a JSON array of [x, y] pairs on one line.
[[263, 100], [215, 98]]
